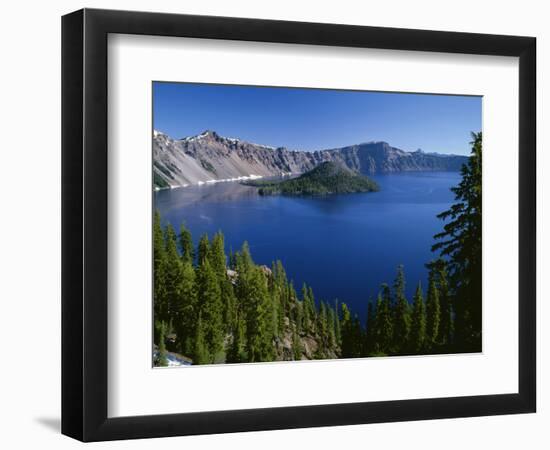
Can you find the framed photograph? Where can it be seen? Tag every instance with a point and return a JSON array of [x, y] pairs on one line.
[[273, 224]]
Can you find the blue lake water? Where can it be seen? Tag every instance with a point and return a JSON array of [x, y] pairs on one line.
[[344, 246]]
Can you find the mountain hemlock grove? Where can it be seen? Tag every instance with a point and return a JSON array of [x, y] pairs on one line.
[[212, 307], [209, 157]]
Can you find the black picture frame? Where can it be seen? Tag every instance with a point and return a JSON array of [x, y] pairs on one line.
[[84, 224]]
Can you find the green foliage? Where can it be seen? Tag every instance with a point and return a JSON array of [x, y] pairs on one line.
[[370, 332], [173, 276], [252, 292], [159, 182], [337, 327], [186, 245], [296, 346], [460, 245], [185, 308], [351, 334], [211, 308], [237, 350], [327, 178], [217, 257], [200, 349], [159, 266], [401, 315], [433, 316], [204, 249], [162, 359], [417, 336], [438, 273], [384, 321]]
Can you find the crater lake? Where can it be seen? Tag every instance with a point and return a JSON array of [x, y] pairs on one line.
[[344, 246]]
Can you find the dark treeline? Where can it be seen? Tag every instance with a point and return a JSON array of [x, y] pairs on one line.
[[215, 307]]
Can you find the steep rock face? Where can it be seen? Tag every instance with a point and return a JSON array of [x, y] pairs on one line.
[[209, 157]]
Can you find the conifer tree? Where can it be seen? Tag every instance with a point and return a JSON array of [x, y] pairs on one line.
[[401, 314], [279, 286], [209, 294], [417, 335], [204, 249], [306, 310], [351, 334], [298, 315], [460, 244], [296, 346], [162, 354], [433, 315], [370, 332], [217, 256], [186, 309], [237, 349], [337, 328], [253, 294], [446, 326], [159, 266], [173, 276], [384, 321], [347, 333], [186, 245], [322, 321], [229, 304], [331, 332], [200, 350]]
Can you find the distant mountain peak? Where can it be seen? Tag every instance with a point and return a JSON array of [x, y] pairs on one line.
[[206, 134]]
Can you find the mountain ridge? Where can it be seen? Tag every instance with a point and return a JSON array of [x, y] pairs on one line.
[[209, 157]]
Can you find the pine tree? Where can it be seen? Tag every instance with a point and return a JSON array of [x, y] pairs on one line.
[[200, 350], [186, 245], [162, 360], [278, 287], [209, 294], [173, 276], [296, 346], [204, 249], [229, 304], [351, 334], [306, 310], [159, 266], [384, 321], [298, 316], [433, 315], [347, 333], [322, 329], [331, 332], [401, 314], [337, 328], [237, 349], [217, 256], [446, 327], [186, 309], [460, 244], [417, 336], [252, 291], [370, 332]]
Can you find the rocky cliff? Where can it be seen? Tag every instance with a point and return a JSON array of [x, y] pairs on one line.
[[209, 157]]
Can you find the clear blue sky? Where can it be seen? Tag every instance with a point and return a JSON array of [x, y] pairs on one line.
[[315, 119]]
